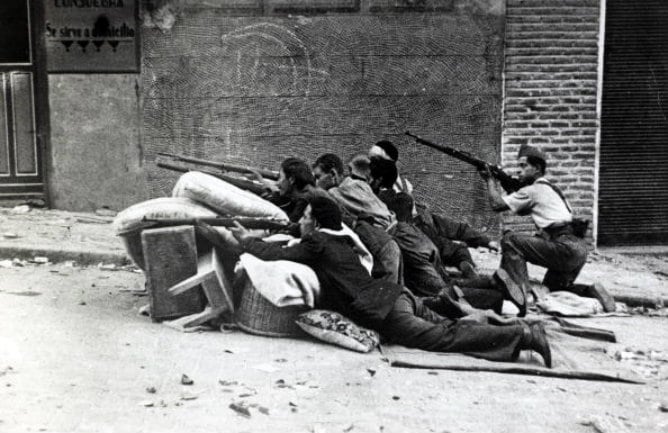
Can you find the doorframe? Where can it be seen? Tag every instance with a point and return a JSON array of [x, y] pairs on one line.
[[40, 94]]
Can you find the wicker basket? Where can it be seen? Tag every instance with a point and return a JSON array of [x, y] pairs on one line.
[[257, 315]]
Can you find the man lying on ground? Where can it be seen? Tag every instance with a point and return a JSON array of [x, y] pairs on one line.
[[424, 273], [363, 211], [389, 308], [385, 149], [293, 189], [556, 247], [443, 232]]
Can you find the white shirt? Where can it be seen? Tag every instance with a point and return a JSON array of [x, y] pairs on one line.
[[403, 185], [541, 202]]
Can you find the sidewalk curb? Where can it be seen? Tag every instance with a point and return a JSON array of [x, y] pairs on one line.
[[59, 254]]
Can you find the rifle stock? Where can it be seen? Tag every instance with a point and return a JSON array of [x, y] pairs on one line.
[[509, 183]]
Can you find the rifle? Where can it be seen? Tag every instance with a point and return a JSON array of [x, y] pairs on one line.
[[509, 183], [249, 185], [268, 174], [247, 222]]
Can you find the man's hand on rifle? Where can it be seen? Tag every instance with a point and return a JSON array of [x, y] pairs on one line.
[[485, 173], [240, 232], [221, 238], [493, 246], [266, 183]]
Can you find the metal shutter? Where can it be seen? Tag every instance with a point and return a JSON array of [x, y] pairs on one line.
[[633, 182]]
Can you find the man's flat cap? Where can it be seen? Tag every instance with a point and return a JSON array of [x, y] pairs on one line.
[[526, 150]]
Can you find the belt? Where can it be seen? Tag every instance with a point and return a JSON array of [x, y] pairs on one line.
[[555, 230]]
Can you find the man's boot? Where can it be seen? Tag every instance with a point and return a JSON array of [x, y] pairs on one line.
[[597, 291], [535, 339], [513, 291], [468, 270]]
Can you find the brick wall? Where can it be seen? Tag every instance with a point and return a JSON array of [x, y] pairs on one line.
[[551, 64]]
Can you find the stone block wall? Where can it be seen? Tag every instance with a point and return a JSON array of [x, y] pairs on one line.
[[256, 81], [550, 94]]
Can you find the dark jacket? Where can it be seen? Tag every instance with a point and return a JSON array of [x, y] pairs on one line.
[[424, 274], [346, 287]]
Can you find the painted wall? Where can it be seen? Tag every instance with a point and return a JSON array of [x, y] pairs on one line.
[[254, 82], [95, 155]]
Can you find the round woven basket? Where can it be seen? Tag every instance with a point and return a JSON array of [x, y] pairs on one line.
[[256, 315]]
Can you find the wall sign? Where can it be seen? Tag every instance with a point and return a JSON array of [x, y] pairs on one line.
[[92, 36]]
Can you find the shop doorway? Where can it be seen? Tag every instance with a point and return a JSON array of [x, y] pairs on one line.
[[23, 101]]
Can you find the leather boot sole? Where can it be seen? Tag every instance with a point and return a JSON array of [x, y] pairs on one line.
[[598, 291], [512, 289]]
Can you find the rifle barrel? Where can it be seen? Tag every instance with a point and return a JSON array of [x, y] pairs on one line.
[[239, 183], [221, 165]]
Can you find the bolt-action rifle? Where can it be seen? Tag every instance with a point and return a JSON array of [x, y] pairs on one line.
[[248, 185], [509, 183], [223, 166], [247, 222]]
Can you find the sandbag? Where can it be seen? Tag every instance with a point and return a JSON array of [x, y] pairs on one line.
[[224, 198], [130, 219]]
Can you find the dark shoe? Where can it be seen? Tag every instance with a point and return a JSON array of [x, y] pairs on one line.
[[539, 343], [512, 290], [597, 291], [468, 270]]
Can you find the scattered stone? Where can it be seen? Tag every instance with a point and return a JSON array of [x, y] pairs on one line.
[[82, 303], [146, 403], [263, 410], [18, 262], [395, 397], [280, 360], [10, 235], [25, 293], [24, 208], [188, 396], [107, 267], [347, 429], [371, 371], [185, 380], [240, 409], [663, 407], [227, 383], [151, 390], [267, 368], [40, 259]]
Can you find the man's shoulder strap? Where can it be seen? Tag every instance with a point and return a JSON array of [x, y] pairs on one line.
[[556, 189]]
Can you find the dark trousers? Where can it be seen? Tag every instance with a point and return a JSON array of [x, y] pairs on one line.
[[563, 255], [412, 324], [454, 253]]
